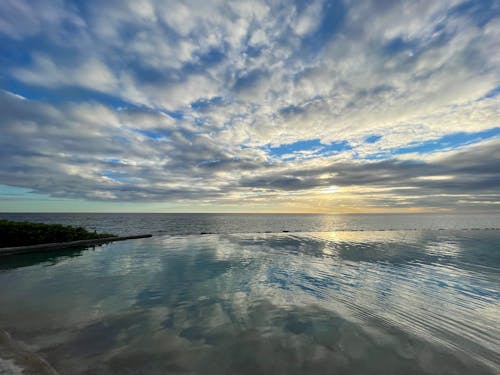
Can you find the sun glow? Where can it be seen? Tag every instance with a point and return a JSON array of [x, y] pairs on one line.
[[331, 189]]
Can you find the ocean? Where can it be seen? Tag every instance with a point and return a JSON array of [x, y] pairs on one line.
[[204, 223], [258, 294]]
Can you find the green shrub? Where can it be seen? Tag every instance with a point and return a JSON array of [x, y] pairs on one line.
[[14, 233]]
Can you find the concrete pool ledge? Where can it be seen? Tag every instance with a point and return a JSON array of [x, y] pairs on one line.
[[64, 245]]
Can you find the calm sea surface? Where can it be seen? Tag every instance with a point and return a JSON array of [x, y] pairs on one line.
[[336, 294], [183, 224]]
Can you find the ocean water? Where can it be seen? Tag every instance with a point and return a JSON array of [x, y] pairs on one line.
[[376, 295], [187, 224]]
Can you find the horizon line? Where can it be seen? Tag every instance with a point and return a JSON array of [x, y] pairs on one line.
[[258, 213]]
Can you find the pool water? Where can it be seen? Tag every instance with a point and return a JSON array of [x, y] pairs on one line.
[[378, 302]]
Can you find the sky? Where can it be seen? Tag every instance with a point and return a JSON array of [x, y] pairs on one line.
[[250, 106]]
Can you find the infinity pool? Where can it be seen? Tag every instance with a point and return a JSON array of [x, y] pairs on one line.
[[386, 302]]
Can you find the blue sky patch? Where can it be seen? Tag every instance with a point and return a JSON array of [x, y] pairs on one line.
[[398, 45], [294, 147], [492, 93], [115, 161], [373, 138], [332, 18], [313, 145], [152, 134], [205, 104], [12, 191], [478, 11], [119, 176], [8, 192], [449, 141]]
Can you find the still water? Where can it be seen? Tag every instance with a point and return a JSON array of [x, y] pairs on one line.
[[343, 302]]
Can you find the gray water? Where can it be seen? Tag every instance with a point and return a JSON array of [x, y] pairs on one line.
[[184, 224], [414, 301]]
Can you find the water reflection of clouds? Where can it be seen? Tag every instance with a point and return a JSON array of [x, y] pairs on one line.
[[420, 296], [227, 302]]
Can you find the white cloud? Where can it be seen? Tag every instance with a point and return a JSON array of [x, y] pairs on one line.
[[91, 74], [247, 74], [308, 20]]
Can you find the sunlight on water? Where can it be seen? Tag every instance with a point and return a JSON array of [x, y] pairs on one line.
[[345, 302], [183, 224]]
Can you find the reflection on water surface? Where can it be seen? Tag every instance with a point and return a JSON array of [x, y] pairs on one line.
[[341, 302]]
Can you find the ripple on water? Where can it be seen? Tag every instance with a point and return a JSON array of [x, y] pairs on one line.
[[351, 302]]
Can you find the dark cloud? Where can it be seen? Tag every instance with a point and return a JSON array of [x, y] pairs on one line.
[[68, 153], [469, 173]]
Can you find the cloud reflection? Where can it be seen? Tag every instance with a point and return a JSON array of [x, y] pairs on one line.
[[261, 303]]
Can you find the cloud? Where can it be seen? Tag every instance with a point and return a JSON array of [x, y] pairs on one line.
[[23, 19], [197, 95], [91, 74]]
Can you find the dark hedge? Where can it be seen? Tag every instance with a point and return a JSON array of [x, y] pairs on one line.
[[14, 233]]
